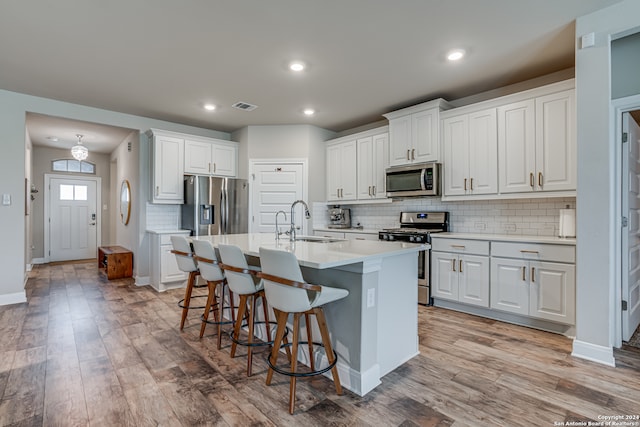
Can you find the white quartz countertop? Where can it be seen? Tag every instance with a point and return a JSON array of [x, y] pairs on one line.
[[169, 231], [315, 254], [507, 238], [348, 230]]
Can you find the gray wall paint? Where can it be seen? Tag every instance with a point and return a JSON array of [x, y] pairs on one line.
[[596, 191], [126, 167], [13, 229], [42, 157], [625, 66]]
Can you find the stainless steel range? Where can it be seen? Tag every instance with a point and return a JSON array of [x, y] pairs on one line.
[[417, 227]]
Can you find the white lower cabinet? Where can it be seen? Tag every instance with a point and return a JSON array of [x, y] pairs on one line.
[[545, 290], [534, 280], [458, 275], [346, 235], [165, 273]]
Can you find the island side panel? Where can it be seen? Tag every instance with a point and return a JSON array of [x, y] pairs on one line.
[[353, 326], [397, 304]]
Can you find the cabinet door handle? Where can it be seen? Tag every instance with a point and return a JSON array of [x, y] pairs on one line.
[[460, 266], [408, 158], [524, 273], [533, 274], [453, 265], [341, 192], [531, 179], [374, 190], [465, 184], [214, 167], [413, 154], [540, 179], [528, 251], [471, 184], [157, 190]]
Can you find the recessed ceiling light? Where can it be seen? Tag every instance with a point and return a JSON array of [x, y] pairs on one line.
[[209, 107], [296, 66], [309, 111], [455, 54], [52, 138]]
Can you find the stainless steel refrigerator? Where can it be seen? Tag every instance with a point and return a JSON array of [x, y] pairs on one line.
[[215, 205]]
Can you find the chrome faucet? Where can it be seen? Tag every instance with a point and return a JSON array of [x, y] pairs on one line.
[[307, 215], [278, 233]]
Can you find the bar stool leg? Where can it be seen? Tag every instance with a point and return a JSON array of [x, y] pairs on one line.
[[205, 316], [187, 297], [326, 340], [221, 313], [294, 361], [252, 310], [309, 342], [281, 319], [242, 307], [266, 316]]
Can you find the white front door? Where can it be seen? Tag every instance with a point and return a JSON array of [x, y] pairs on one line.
[[631, 235], [72, 219], [275, 187]]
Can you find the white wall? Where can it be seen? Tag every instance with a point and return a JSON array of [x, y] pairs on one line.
[[625, 66], [596, 224], [13, 229]]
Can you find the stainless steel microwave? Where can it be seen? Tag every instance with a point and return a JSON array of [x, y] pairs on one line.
[[415, 180]]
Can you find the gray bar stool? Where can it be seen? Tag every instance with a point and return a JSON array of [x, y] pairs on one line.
[[243, 282], [187, 263], [211, 272], [287, 292]]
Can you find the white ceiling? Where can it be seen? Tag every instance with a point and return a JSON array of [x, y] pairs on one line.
[[165, 59]]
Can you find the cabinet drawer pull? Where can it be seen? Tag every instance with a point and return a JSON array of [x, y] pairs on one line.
[[540, 179], [528, 251], [408, 151], [458, 246], [524, 273], [471, 184], [453, 265], [413, 154], [460, 266], [533, 274], [465, 184], [360, 238], [531, 179]]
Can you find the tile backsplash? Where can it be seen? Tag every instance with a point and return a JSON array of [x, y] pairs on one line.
[[535, 217], [163, 217]]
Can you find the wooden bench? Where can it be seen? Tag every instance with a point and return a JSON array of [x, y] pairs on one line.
[[115, 261]]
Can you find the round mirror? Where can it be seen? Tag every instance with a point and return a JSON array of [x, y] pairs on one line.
[[125, 202]]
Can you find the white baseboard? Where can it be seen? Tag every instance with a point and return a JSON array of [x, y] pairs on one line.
[[38, 261], [593, 352], [15, 298], [142, 280]]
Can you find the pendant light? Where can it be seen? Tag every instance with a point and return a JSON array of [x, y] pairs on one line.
[[79, 151]]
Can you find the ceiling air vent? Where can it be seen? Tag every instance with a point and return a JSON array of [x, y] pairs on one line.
[[245, 106]]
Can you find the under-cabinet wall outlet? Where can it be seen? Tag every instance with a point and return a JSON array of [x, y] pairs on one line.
[[509, 227], [371, 297], [480, 225]]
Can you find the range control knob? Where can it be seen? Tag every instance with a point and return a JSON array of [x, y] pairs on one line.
[[412, 238], [391, 237], [418, 239]]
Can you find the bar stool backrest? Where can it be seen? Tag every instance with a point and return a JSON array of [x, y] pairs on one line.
[[240, 283], [185, 259], [283, 297], [210, 272]]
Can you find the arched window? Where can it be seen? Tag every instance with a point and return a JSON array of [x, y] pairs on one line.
[[72, 165]]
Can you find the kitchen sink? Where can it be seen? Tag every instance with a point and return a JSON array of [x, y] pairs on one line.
[[317, 239]]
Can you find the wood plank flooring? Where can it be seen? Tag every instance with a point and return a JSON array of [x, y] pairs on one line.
[[86, 351]]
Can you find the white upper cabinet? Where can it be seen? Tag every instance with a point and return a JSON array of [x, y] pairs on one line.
[[341, 171], [210, 157], [470, 153], [373, 159], [414, 133], [537, 144], [168, 171]]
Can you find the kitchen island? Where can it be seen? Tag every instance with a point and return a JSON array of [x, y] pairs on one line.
[[375, 329]]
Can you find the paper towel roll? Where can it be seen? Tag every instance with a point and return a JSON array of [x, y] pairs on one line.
[[567, 224]]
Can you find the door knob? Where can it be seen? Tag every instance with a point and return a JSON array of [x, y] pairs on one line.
[[92, 223]]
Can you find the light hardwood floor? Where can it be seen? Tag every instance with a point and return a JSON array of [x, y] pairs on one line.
[[85, 351]]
